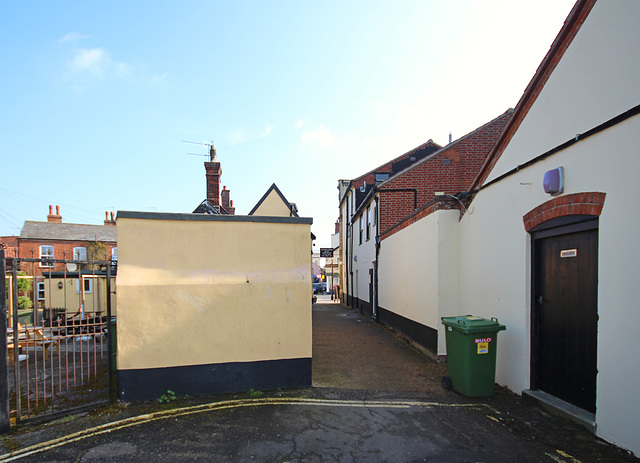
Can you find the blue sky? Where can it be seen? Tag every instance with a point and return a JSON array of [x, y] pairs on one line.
[[96, 97]]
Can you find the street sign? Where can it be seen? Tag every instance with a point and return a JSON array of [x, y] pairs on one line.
[[326, 252]]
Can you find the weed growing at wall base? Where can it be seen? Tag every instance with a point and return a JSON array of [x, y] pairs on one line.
[[168, 397]]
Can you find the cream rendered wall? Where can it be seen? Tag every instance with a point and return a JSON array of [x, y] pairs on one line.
[[273, 206], [595, 80], [194, 292], [418, 276], [495, 277]]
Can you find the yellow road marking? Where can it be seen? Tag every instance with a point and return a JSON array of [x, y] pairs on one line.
[[142, 419], [566, 455]]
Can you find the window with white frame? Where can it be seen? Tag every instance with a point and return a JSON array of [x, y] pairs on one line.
[[46, 252], [361, 222], [80, 253], [40, 290], [88, 285], [114, 253]]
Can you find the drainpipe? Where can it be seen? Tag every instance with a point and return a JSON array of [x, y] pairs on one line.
[[376, 293], [350, 294]]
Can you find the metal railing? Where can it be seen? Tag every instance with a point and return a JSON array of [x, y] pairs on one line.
[[61, 358]]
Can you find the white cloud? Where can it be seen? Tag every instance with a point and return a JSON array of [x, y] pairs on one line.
[[156, 79], [267, 130], [299, 123], [72, 37], [92, 61], [98, 63], [321, 136], [237, 136]]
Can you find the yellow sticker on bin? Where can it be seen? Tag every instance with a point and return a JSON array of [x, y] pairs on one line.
[[483, 345]]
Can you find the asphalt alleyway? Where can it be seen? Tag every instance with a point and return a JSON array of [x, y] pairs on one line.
[[374, 399]]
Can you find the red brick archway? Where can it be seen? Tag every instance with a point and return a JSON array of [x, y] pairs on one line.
[[589, 203]]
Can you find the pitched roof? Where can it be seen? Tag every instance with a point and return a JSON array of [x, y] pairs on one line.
[[569, 30], [400, 162], [67, 231], [206, 207], [392, 167], [292, 207], [506, 115]]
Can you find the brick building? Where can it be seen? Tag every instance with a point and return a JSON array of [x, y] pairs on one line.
[[447, 172], [54, 239], [375, 204], [57, 240]]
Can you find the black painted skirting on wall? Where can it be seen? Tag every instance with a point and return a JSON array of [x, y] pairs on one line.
[[194, 380], [363, 306], [421, 334]]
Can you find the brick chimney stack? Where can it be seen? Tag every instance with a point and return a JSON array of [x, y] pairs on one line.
[[214, 171], [226, 204], [54, 218]]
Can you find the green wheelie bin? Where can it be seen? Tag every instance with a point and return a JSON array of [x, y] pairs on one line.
[[471, 354]]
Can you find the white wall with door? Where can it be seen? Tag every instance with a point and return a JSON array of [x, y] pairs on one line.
[[594, 81]]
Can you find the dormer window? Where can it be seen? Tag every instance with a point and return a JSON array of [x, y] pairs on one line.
[[381, 177]]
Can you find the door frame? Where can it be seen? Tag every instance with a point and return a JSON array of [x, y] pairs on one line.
[[551, 228]]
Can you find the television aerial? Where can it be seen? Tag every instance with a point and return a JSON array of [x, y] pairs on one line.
[[212, 150]]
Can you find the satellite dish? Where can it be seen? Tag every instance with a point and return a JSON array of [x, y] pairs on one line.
[[72, 267]]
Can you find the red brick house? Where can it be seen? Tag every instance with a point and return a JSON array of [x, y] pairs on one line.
[[447, 172], [57, 240], [399, 191]]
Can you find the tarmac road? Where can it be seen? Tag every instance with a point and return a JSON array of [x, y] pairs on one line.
[[375, 399]]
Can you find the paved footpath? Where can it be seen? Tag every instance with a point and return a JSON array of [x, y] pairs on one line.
[[374, 399]]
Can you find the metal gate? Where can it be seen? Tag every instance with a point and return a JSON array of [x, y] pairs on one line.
[[59, 352]]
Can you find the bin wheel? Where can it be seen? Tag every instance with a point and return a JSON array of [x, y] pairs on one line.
[[446, 382]]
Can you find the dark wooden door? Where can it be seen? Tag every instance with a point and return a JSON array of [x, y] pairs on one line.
[[566, 317]]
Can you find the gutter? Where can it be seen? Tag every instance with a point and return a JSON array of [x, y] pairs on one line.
[[579, 137]]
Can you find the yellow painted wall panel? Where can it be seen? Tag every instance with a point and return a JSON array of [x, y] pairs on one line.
[[206, 292]]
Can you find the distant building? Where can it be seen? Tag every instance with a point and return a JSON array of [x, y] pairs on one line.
[[274, 204], [217, 202], [54, 239]]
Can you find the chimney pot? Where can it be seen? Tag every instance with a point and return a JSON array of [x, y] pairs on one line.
[[57, 210], [112, 219], [50, 209]]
